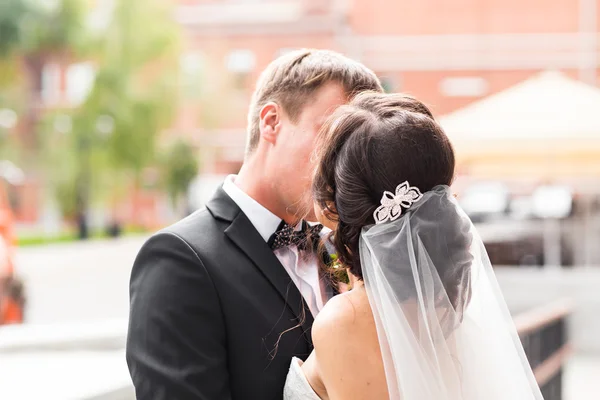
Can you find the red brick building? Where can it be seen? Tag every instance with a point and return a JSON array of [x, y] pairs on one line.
[[447, 53]]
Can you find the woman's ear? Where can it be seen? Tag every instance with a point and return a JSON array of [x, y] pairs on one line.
[[270, 122], [325, 217], [329, 216], [331, 211]]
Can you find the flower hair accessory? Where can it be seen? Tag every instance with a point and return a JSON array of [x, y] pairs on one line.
[[391, 204]]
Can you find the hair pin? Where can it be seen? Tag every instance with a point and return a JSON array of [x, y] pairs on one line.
[[391, 204]]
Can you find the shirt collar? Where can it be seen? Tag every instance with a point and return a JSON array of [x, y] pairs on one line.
[[264, 221]]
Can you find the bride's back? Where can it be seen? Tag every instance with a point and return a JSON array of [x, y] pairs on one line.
[[347, 349]]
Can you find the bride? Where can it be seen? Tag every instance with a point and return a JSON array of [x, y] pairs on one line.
[[425, 319]]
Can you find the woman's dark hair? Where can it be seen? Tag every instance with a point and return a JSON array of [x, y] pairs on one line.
[[367, 147]]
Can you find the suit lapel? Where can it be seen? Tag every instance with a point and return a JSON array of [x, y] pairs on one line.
[[243, 234]]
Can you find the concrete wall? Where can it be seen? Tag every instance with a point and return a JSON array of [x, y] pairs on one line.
[[527, 287]]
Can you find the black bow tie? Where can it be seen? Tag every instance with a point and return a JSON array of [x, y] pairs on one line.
[[287, 235]]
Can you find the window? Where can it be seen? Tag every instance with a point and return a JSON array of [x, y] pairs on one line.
[[464, 87], [50, 90], [80, 80], [241, 61], [191, 65]]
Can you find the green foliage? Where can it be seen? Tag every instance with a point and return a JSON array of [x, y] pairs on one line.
[[33, 27], [136, 88], [37, 240], [141, 100], [36, 32], [12, 12], [8, 74], [180, 167], [60, 161], [55, 30], [70, 236]]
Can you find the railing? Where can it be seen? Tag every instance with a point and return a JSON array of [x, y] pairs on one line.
[[543, 332]]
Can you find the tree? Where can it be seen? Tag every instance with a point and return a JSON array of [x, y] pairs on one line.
[[112, 135], [34, 32], [180, 167], [12, 13], [142, 76], [136, 88]]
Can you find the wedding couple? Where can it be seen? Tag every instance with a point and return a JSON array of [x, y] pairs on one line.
[[241, 300]]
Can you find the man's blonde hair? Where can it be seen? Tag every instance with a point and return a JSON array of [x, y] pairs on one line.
[[292, 79]]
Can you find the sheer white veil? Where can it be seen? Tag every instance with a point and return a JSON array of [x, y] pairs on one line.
[[444, 328]]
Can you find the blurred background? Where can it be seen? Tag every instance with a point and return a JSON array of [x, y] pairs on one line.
[[118, 117]]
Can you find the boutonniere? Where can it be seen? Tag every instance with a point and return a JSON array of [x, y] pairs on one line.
[[338, 270]]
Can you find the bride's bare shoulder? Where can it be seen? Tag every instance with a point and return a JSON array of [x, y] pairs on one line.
[[344, 335], [338, 309], [342, 314]]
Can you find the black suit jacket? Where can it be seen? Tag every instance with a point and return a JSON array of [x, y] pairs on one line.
[[210, 303]]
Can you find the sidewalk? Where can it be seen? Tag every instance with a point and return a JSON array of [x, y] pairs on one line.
[[65, 375], [77, 282], [84, 361]]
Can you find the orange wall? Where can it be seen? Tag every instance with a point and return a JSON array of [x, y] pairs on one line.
[[409, 17]]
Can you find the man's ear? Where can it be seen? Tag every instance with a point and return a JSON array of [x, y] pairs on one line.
[[270, 122]]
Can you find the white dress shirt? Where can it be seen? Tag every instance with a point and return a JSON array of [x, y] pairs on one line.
[[304, 270]]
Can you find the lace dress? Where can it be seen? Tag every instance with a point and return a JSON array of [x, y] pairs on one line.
[[296, 385]]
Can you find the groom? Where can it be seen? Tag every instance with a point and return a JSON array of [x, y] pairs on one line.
[[222, 300]]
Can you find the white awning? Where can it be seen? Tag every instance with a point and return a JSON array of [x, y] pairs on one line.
[[545, 128], [549, 106]]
